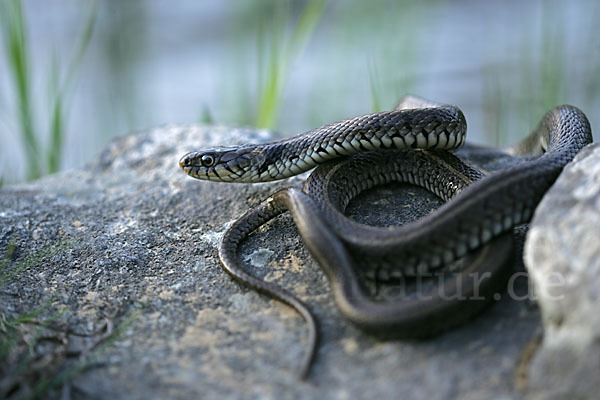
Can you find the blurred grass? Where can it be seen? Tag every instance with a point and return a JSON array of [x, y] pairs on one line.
[[496, 106], [393, 65], [375, 95], [9, 336], [19, 344], [41, 388], [516, 97], [391, 45], [205, 116], [590, 84], [543, 74], [29, 261], [120, 96], [16, 48], [41, 156], [60, 92], [38, 379], [276, 53]]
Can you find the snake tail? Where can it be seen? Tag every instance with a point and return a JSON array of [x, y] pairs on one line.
[[264, 212]]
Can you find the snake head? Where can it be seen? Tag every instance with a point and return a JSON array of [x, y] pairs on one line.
[[224, 164]]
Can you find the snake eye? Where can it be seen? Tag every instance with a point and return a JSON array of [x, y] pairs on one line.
[[207, 160]]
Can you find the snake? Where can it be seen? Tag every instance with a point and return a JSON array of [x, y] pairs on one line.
[[413, 144]]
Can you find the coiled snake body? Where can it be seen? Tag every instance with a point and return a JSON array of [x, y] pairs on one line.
[[478, 210]]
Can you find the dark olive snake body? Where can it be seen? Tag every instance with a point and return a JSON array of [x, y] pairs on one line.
[[474, 224], [441, 127]]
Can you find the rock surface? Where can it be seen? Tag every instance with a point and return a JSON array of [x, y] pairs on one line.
[[119, 260], [562, 254]]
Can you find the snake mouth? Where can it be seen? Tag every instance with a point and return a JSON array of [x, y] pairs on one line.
[[190, 165], [205, 166], [188, 161], [186, 169], [189, 170], [183, 165]]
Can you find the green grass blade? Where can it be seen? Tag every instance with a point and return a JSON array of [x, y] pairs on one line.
[[306, 25], [82, 46], [279, 60], [62, 94], [45, 384], [13, 27], [56, 135], [375, 97], [205, 116], [30, 260], [7, 256], [270, 66], [552, 58]]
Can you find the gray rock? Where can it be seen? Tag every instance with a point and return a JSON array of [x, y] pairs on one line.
[[562, 254], [127, 245]]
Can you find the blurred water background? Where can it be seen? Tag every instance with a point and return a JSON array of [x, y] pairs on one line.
[[74, 74]]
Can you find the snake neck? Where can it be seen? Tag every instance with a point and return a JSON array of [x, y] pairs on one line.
[[432, 128], [560, 135]]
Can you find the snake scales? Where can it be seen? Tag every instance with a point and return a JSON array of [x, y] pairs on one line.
[[474, 224]]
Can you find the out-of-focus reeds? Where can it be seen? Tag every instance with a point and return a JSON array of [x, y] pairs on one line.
[[43, 148]]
